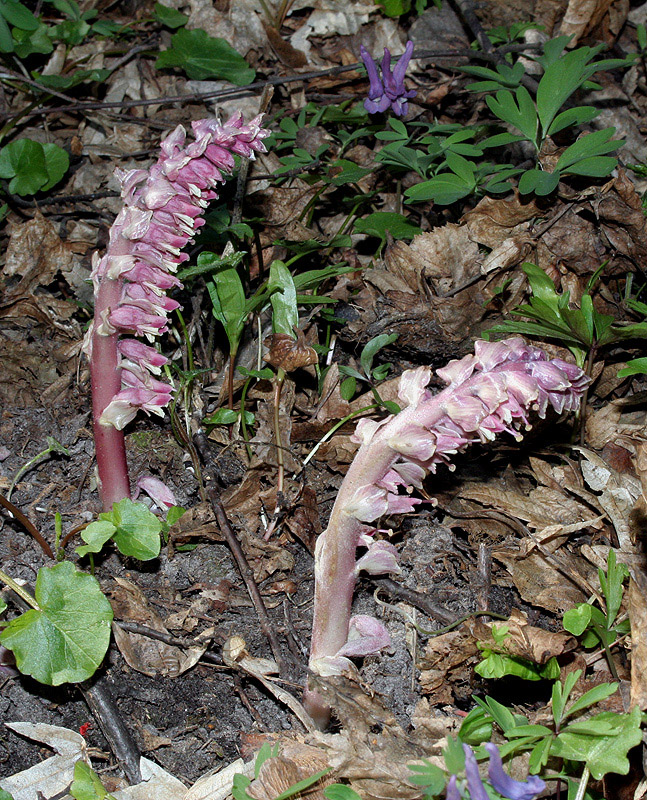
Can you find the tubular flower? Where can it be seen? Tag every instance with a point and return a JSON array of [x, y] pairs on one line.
[[473, 787], [490, 392], [390, 89], [163, 209]]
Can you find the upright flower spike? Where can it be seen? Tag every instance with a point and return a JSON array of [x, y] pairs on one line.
[[390, 89], [163, 209], [493, 391]]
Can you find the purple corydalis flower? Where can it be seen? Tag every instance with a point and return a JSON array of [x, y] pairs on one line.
[[507, 786], [163, 209], [498, 779], [490, 392], [390, 89]]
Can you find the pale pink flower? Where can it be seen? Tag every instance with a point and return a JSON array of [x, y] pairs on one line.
[[157, 490]]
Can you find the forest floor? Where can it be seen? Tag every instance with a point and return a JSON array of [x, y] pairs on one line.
[[519, 530]]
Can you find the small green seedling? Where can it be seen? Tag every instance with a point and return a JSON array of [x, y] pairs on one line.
[[583, 330], [371, 374], [87, 784], [133, 528], [497, 661], [601, 627]]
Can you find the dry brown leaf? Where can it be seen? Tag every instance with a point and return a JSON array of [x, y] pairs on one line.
[[144, 654], [372, 752], [293, 764], [524, 640], [494, 220], [584, 16], [618, 493], [541, 584], [198, 522], [540, 508], [446, 666]]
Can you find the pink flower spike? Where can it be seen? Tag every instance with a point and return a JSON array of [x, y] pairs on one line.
[[131, 319], [365, 430], [458, 370], [157, 490], [466, 412]]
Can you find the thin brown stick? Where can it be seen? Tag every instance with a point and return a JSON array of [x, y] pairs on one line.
[[28, 526], [417, 599], [247, 575]]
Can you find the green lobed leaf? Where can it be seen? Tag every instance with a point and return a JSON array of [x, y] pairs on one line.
[[603, 753], [595, 167], [202, 57], [538, 181], [343, 171], [587, 146], [517, 110], [561, 78], [432, 777], [138, 529], [66, 640], [593, 696], [573, 116]]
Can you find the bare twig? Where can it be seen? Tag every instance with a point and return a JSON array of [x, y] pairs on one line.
[[28, 526]]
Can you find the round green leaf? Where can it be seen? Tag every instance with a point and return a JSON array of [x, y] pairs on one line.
[[57, 162], [96, 534], [66, 640], [24, 162], [138, 529], [577, 619]]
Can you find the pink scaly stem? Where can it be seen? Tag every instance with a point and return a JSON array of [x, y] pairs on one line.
[[106, 383]]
